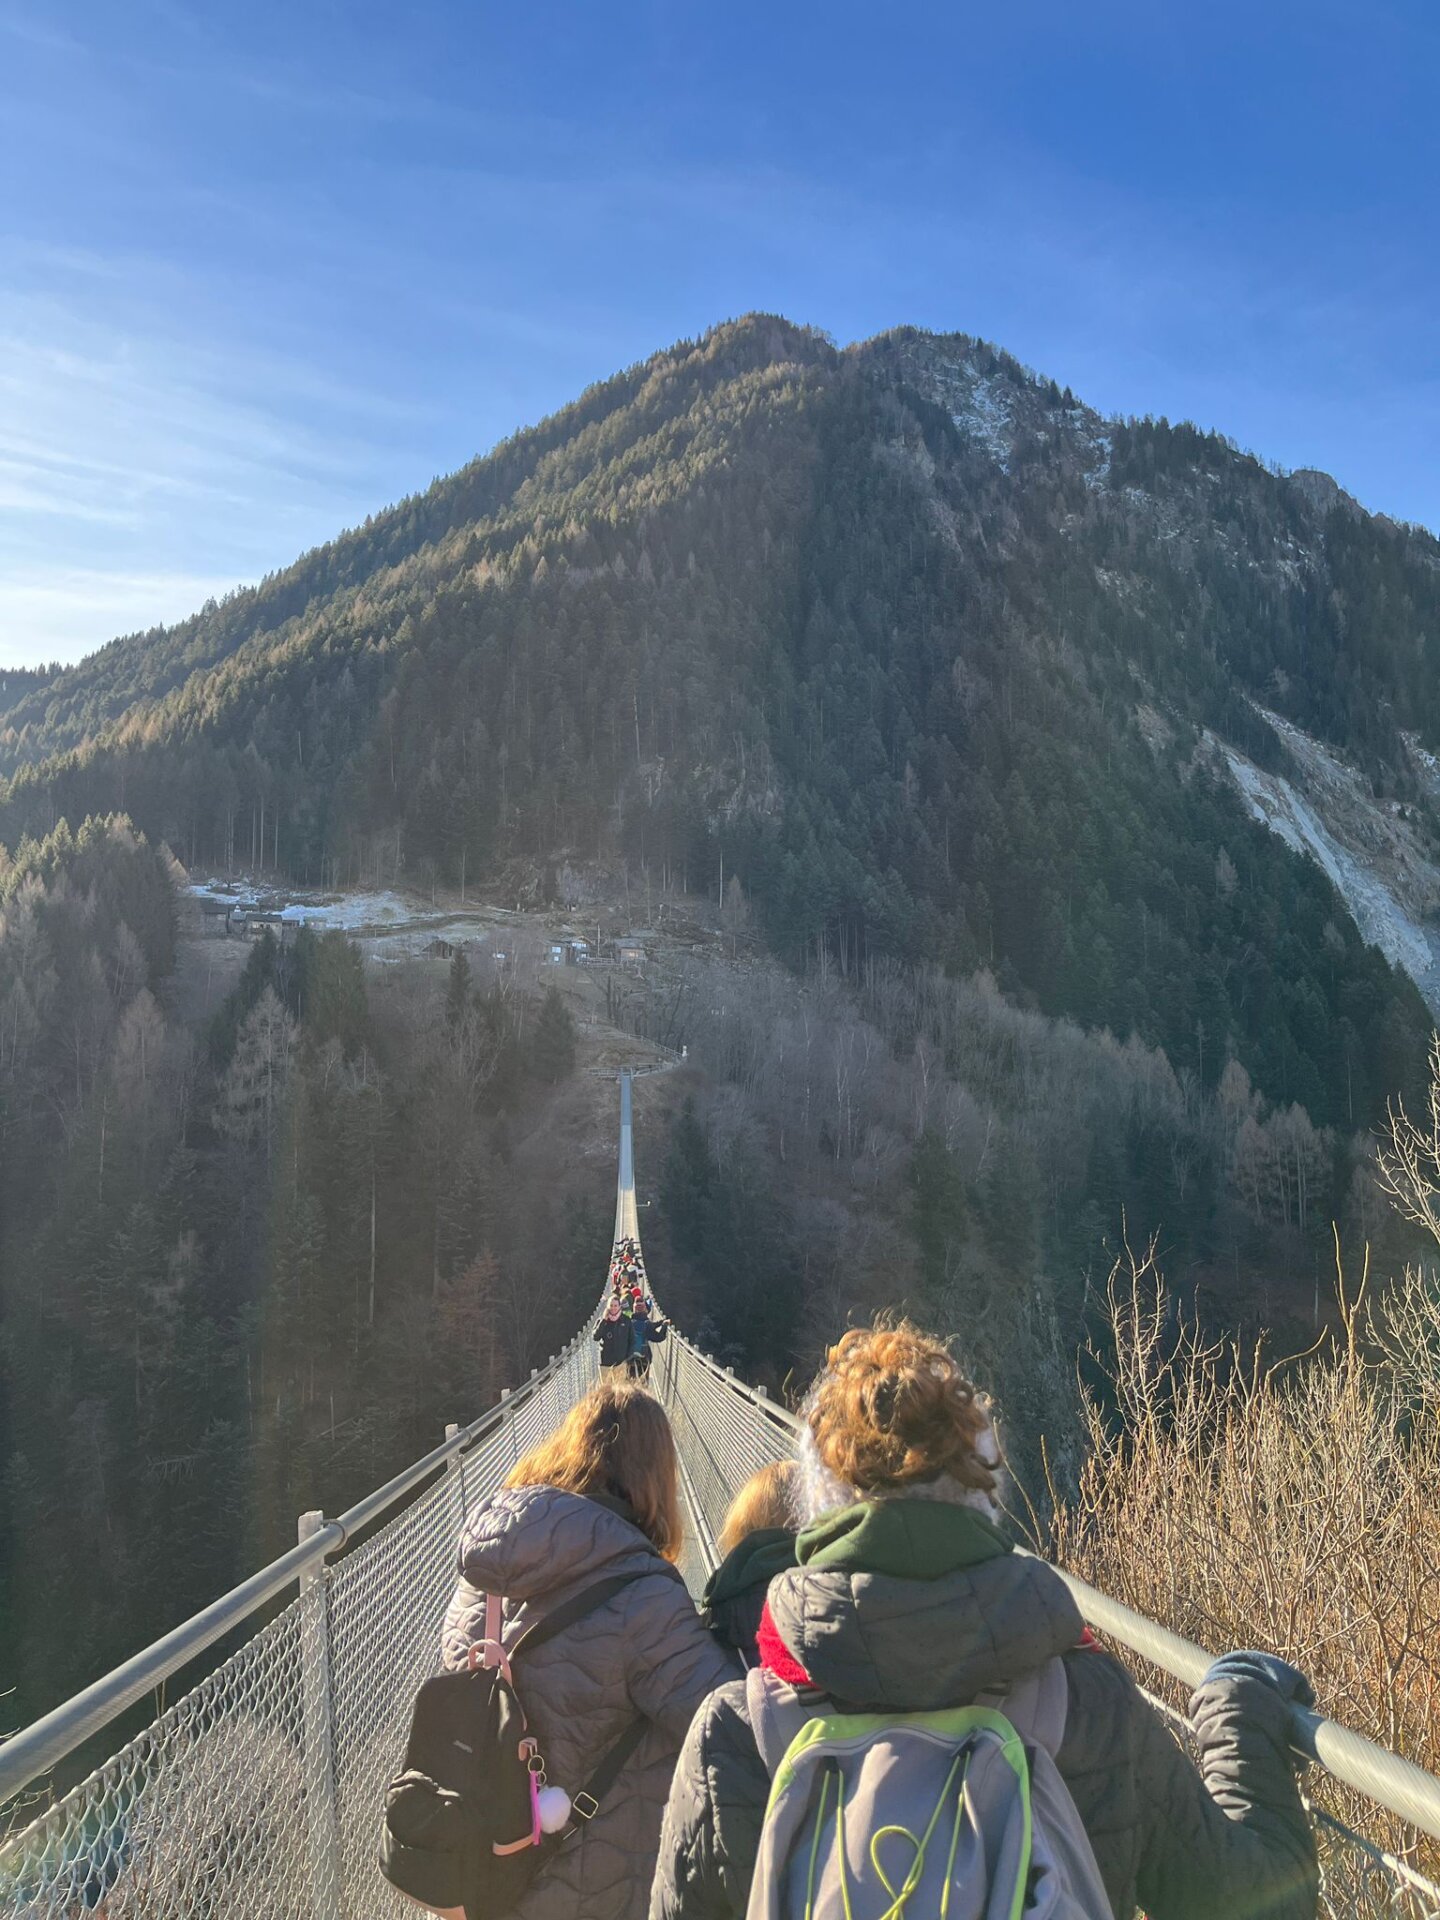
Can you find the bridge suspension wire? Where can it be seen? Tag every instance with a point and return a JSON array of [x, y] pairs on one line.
[[257, 1792]]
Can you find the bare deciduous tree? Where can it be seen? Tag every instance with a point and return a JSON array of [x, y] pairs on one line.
[[1408, 1157]]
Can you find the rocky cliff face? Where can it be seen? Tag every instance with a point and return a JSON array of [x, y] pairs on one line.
[[1377, 854]]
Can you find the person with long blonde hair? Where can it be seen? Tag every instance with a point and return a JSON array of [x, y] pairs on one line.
[[757, 1540], [596, 1501]]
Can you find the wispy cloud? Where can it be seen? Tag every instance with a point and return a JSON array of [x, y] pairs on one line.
[[65, 612], [137, 462], [264, 286]]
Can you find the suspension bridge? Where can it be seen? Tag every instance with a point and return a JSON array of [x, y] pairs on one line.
[[256, 1794]]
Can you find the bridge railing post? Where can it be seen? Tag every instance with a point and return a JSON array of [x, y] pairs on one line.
[[327, 1886], [455, 1470], [507, 1421]]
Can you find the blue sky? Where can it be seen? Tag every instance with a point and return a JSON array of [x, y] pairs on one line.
[[264, 268]]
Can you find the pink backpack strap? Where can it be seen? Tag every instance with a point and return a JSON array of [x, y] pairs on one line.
[[491, 1650]]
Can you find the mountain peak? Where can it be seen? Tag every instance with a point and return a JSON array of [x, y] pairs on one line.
[[1323, 491]]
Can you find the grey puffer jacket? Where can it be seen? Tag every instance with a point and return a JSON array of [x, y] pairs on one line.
[[1182, 1846], [644, 1651]]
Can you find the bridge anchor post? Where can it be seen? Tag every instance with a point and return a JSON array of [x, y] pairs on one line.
[[327, 1884], [507, 1422]]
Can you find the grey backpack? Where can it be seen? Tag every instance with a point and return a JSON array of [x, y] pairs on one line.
[[908, 1816]]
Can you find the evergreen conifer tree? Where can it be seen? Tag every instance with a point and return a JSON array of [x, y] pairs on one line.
[[457, 991], [554, 1039]]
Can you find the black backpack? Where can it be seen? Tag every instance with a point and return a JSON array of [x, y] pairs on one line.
[[459, 1819]]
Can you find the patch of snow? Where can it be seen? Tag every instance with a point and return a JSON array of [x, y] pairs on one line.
[[977, 403], [1427, 767], [387, 926], [346, 912], [1104, 448], [985, 416]]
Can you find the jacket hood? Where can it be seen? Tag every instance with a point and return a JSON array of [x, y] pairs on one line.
[[753, 1562], [915, 1539], [525, 1542], [948, 1612]]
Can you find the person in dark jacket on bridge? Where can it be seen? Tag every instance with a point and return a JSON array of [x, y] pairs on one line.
[[907, 1598], [613, 1334], [758, 1541], [645, 1332], [598, 1499]]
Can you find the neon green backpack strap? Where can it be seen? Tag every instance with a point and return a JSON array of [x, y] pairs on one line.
[[813, 1821]]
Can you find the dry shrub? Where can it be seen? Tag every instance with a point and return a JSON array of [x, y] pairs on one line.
[[1292, 1506]]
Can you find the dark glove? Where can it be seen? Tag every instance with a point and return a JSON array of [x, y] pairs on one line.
[[1291, 1685]]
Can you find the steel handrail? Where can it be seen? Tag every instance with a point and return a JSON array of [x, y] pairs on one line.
[[1385, 1778], [35, 1749]]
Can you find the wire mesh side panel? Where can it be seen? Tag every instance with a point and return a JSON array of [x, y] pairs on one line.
[[258, 1794], [723, 1433], [387, 1601], [1359, 1881], [207, 1811]]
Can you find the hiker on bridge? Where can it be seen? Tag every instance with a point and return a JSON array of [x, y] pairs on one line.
[[645, 1332], [596, 1502], [613, 1334], [908, 1598], [757, 1541]]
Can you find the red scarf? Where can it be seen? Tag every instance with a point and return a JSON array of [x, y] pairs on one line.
[[777, 1657]]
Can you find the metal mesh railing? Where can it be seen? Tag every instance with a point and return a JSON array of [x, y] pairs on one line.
[[724, 1431], [258, 1793], [386, 1603], [1358, 1880], [207, 1806]]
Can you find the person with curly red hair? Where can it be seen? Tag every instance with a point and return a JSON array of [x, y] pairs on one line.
[[908, 1597]]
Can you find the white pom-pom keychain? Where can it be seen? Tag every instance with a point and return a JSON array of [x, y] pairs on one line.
[[553, 1806]]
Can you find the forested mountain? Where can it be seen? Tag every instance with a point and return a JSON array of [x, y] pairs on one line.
[[936, 670], [918, 646]]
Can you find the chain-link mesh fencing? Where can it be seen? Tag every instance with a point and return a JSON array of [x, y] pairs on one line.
[[204, 1811], [386, 1603], [257, 1795], [725, 1431]]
